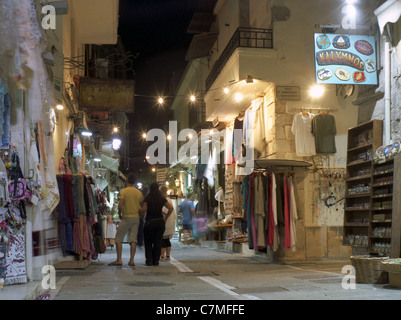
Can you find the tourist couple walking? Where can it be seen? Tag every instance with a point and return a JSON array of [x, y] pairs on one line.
[[132, 205]]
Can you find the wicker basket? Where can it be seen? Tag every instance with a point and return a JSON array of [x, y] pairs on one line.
[[393, 267], [369, 269]]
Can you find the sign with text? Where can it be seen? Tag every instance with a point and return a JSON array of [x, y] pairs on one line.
[[288, 93], [109, 95], [345, 59], [161, 175]]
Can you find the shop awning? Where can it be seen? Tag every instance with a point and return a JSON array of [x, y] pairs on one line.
[[277, 163], [201, 45], [110, 163], [388, 12]]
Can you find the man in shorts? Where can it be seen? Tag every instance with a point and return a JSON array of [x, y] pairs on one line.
[[187, 211], [130, 201]]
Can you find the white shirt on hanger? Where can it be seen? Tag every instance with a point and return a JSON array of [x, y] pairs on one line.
[[304, 139]]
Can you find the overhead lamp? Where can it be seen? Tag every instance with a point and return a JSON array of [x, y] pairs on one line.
[[116, 143], [249, 79], [316, 91], [115, 130], [60, 107], [144, 135], [192, 98], [86, 133], [160, 100], [97, 159], [238, 97]]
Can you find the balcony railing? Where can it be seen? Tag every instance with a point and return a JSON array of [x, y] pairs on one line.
[[242, 38]]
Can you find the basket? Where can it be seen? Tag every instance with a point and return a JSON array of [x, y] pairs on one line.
[[393, 267], [369, 269]]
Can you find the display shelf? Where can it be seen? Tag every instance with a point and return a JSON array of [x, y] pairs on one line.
[[386, 205], [363, 140]]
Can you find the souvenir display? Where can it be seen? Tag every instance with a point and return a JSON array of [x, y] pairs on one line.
[[384, 153]]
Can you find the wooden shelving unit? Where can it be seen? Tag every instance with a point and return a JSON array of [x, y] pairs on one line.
[[363, 140], [372, 214], [386, 211]]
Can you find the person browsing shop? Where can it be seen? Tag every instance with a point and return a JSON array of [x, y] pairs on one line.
[[155, 223], [130, 201]]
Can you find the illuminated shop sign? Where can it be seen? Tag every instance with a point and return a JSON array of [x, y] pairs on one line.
[[345, 59]]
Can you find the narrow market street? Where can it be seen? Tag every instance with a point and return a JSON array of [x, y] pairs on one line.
[[204, 273], [270, 130]]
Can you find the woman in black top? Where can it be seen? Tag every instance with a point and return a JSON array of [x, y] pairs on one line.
[[155, 223]]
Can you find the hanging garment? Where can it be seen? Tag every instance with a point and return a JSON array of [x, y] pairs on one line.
[[228, 141], [211, 167], [293, 213], [324, 131], [270, 234], [252, 198], [5, 105], [302, 130], [236, 145], [246, 205], [287, 226], [219, 196], [279, 198], [259, 212], [69, 203], [276, 238], [259, 131]]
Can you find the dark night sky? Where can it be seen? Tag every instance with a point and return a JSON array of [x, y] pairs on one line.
[[156, 30]]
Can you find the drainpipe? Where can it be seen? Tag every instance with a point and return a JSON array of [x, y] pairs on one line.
[[387, 92]]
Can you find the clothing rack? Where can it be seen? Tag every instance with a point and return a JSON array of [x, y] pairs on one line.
[[302, 109]]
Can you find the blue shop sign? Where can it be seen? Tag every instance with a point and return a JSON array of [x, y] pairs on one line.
[[345, 59]]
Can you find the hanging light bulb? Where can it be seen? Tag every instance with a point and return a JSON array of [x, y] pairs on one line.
[[192, 98], [238, 97], [160, 100], [86, 133], [316, 91], [116, 143]]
